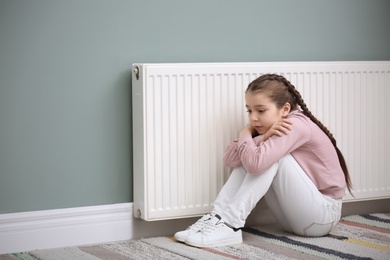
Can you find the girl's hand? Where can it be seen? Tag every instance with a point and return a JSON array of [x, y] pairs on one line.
[[280, 128], [249, 129]]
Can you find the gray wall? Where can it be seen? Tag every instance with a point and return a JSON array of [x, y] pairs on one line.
[[65, 81]]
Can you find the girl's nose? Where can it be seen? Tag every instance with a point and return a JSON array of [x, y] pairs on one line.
[[253, 117]]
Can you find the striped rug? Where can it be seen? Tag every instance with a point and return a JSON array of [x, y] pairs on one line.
[[355, 237]]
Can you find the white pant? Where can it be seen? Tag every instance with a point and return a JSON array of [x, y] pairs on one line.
[[290, 194]]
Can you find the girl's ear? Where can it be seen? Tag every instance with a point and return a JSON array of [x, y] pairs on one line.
[[286, 109]]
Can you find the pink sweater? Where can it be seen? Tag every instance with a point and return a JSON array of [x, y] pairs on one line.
[[306, 142]]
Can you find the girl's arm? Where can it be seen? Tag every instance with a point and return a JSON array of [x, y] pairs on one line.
[[257, 158], [231, 157], [280, 128]]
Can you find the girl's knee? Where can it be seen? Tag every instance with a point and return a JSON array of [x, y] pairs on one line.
[[316, 229]]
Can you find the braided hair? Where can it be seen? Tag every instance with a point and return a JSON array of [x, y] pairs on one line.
[[281, 91]]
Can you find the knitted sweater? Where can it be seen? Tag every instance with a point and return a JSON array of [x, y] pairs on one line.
[[306, 142]]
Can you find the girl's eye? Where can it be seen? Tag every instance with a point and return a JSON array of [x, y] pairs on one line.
[[261, 111], [249, 111]]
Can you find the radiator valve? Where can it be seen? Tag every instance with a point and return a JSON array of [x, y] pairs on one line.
[[136, 72]]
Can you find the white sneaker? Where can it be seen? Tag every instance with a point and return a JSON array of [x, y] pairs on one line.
[[198, 225], [215, 233]]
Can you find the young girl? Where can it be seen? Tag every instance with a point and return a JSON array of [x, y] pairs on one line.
[[286, 155]]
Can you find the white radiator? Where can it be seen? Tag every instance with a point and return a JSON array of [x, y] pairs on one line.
[[184, 115]]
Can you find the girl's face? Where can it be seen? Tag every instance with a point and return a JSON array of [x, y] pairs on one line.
[[262, 112]]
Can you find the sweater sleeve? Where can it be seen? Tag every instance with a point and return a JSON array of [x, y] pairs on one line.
[[256, 158], [231, 157]]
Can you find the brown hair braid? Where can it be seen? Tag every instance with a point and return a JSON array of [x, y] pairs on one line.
[[281, 91]]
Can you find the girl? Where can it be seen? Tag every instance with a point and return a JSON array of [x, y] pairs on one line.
[[286, 155]]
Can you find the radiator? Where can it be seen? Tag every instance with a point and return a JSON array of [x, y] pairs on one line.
[[185, 114]]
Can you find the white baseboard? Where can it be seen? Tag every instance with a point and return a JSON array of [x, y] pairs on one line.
[[28, 231]]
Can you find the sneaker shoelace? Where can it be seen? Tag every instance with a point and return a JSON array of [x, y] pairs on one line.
[[198, 225], [210, 227]]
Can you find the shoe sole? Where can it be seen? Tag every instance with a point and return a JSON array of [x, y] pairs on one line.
[[180, 239], [229, 242]]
